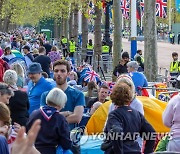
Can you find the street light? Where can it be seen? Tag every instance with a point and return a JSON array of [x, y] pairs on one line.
[[107, 38]]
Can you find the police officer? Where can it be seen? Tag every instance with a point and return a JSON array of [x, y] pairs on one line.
[[90, 51], [72, 47], [105, 55], [174, 68], [64, 42], [175, 65], [139, 58]]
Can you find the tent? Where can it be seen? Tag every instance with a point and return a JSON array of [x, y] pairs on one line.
[[153, 109]]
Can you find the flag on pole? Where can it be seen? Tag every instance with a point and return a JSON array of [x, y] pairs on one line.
[[161, 8], [138, 10], [178, 5], [125, 8], [91, 76], [142, 7]]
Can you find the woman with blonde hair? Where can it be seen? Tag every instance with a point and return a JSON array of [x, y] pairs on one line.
[[54, 54], [18, 68]]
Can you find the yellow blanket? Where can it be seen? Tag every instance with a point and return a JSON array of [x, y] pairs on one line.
[[153, 109]]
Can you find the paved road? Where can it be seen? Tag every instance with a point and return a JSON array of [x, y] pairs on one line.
[[164, 51]]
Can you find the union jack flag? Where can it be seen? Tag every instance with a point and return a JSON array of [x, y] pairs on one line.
[[161, 8], [142, 7], [91, 76], [125, 8], [111, 85]]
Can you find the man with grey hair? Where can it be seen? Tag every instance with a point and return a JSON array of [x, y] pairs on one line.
[[138, 78]]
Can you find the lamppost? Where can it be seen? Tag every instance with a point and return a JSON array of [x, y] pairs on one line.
[[106, 37], [133, 29]]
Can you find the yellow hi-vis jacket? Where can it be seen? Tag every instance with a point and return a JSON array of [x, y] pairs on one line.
[[72, 46], [174, 68]]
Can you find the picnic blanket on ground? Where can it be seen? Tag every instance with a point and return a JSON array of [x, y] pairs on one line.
[[153, 109]]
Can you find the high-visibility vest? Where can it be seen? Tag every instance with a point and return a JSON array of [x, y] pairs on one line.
[[142, 59], [72, 46], [174, 68], [171, 35], [64, 40], [105, 49], [90, 47]]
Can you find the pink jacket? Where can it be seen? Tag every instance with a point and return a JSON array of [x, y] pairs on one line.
[[171, 116]]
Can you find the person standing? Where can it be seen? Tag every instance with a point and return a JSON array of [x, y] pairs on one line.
[[174, 65], [36, 86], [139, 58], [72, 48], [105, 55], [27, 55], [173, 38], [64, 42], [90, 50], [178, 36], [122, 66], [44, 60]]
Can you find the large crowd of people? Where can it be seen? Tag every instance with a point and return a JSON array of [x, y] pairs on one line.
[[42, 90]]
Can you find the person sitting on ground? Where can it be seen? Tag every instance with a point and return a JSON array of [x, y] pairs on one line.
[[72, 78], [59, 134], [102, 95], [121, 68], [125, 122], [138, 78]]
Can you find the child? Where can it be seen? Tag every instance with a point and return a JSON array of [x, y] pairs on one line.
[[54, 127]]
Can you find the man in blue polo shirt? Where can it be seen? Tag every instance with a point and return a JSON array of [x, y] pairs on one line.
[[74, 108], [36, 86]]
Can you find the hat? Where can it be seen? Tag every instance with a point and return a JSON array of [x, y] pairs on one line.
[[133, 64], [125, 55], [34, 68], [26, 47]]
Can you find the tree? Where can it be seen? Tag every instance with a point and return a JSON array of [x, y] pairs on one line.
[[97, 29], [117, 45], [150, 40], [85, 5]]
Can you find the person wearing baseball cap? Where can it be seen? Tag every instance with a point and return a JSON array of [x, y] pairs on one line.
[[36, 86]]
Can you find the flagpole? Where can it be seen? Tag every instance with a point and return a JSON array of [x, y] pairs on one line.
[[133, 29], [170, 11]]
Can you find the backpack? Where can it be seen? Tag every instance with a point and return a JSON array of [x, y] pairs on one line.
[[3, 67]]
